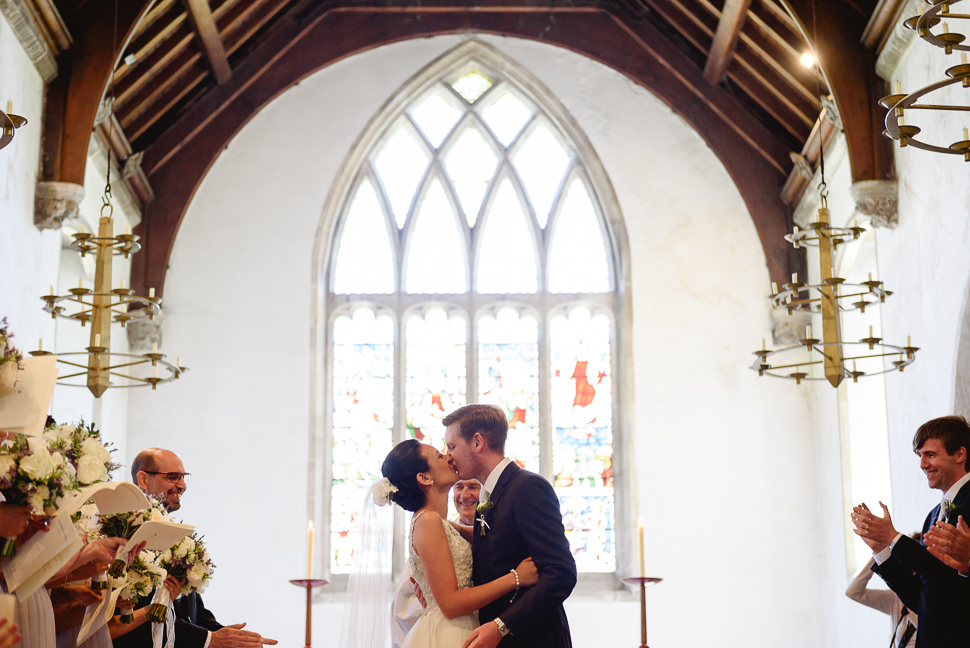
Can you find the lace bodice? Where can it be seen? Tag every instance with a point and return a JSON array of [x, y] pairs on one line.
[[461, 558]]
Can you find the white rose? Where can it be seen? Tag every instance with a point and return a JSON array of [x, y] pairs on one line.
[[165, 556], [69, 469], [63, 431], [95, 448], [38, 465], [90, 470], [158, 516], [37, 499], [181, 550], [195, 574], [7, 465]]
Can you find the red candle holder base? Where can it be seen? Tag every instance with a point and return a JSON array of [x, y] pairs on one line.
[[643, 582], [309, 584]]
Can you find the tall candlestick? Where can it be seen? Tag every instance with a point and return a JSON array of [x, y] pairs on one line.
[[641, 550], [309, 549]]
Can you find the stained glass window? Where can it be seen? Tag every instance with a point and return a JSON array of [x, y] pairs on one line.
[[508, 375], [582, 442], [470, 235], [435, 373], [363, 419]]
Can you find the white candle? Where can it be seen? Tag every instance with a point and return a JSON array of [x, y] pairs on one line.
[[965, 136], [82, 228], [151, 293], [642, 569], [899, 87], [763, 345], [154, 372], [122, 284], [40, 344], [127, 229], [309, 549], [52, 290], [178, 362], [774, 288], [9, 106], [154, 347], [794, 277], [963, 58], [79, 283], [909, 341], [870, 276], [946, 28], [920, 9], [97, 339], [870, 330], [808, 332]]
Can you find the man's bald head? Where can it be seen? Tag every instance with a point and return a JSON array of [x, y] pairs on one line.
[[160, 473]]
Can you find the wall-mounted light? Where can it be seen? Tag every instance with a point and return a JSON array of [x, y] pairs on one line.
[[807, 59]]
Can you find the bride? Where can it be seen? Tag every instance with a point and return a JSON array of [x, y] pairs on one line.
[[420, 479]]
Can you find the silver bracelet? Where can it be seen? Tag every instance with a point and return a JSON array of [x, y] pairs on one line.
[[516, 574]]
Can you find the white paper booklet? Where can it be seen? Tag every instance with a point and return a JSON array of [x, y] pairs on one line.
[[111, 497], [97, 616], [25, 410], [158, 534], [40, 557]]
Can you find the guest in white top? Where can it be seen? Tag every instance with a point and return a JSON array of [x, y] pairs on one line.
[[903, 619]]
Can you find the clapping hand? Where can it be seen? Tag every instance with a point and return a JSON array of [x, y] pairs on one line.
[[877, 532], [951, 544]]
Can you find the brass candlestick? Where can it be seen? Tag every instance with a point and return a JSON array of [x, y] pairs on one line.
[[643, 582], [309, 584]]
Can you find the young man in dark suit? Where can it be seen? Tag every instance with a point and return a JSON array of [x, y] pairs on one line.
[[161, 473], [939, 594], [518, 518]]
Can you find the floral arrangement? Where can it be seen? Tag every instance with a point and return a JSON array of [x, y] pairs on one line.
[[124, 525], [82, 446], [187, 561], [32, 475], [10, 359], [144, 575]]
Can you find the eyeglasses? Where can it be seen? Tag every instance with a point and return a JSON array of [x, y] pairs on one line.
[[173, 477]]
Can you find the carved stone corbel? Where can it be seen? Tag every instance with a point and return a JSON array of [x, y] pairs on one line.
[[878, 199], [142, 332], [55, 202], [787, 330]]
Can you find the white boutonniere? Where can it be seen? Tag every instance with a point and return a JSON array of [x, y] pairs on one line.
[[482, 509]]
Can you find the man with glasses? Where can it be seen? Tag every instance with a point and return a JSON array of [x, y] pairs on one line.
[[160, 473]]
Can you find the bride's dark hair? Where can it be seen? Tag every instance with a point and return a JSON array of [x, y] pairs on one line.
[[401, 467]]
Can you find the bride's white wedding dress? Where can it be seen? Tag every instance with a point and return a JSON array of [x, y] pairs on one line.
[[434, 629]]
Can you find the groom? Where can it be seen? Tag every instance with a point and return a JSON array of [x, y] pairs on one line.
[[518, 518]]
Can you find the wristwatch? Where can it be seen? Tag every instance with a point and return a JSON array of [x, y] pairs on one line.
[[502, 628]]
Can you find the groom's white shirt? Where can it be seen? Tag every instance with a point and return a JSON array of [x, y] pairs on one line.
[[492, 480]]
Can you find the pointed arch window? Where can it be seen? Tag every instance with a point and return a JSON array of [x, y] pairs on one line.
[[472, 262]]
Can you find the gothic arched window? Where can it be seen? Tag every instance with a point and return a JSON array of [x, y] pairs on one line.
[[471, 261]]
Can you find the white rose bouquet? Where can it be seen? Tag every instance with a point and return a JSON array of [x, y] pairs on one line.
[[124, 525], [81, 444], [32, 475], [188, 561], [144, 575]]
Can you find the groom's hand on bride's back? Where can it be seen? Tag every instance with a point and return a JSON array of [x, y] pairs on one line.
[[528, 573], [419, 594]]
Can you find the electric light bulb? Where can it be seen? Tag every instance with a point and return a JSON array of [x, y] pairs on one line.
[[807, 59]]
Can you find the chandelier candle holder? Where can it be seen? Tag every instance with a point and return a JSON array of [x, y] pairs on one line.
[[9, 123], [899, 102], [102, 307], [837, 358]]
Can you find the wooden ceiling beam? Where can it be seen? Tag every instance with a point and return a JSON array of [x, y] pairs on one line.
[[725, 38], [204, 25], [179, 158], [149, 40], [850, 73], [75, 94]]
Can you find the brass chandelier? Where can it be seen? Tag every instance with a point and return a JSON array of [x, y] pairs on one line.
[[102, 307], [930, 17], [832, 296]]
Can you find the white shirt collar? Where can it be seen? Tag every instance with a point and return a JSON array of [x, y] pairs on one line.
[[952, 492], [492, 480]]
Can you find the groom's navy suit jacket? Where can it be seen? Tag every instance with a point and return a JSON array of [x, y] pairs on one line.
[[939, 595], [524, 521], [193, 622]]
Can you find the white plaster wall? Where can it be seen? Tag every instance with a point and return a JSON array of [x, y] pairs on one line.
[[728, 494], [28, 257]]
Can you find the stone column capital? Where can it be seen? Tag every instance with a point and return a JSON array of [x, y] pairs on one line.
[[878, 199], [55, 202]]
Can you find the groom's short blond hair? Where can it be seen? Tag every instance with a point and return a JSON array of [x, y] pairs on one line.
[[488, 420]]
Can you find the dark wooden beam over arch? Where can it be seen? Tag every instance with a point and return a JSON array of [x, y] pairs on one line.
[[850, 70], [312, 38], [75, 95]]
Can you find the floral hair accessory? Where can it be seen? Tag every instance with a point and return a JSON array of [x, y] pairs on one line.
[[383, 490]]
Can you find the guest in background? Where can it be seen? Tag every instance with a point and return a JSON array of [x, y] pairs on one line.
[[904, 620], [406, 609], [938, 593]]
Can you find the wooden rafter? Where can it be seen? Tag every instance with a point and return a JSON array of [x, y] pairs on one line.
[[204, 25], [178, 159], [725, 38]]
